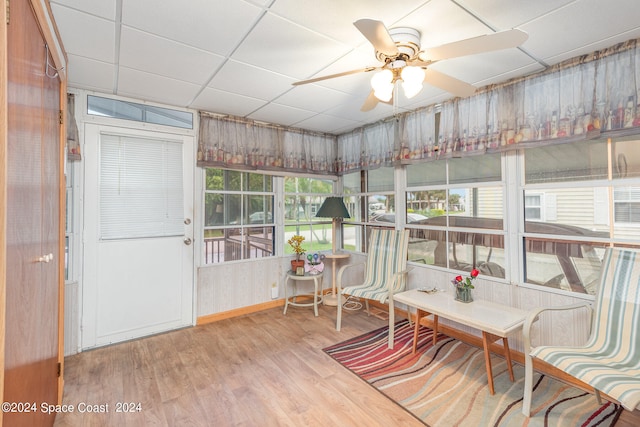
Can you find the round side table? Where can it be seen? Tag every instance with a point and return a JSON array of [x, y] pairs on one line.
[[292, 300], [332, 298]]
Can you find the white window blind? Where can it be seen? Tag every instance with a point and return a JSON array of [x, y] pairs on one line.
[[141, 191], [627, 204]]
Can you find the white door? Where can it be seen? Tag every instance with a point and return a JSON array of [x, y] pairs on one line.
[[138, 213]]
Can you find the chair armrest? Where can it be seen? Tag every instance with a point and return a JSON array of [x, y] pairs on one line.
[[400, 275], [533, 316], [397, 276], [341, 271]]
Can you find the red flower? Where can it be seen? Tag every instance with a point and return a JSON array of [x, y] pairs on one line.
[[466, 282]]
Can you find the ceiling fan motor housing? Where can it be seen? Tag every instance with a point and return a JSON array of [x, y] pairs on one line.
[[408, 42]]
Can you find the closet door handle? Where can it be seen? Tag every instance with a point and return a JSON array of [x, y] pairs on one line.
[[187, 241]]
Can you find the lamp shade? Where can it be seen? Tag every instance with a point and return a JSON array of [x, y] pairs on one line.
[[333, 207]]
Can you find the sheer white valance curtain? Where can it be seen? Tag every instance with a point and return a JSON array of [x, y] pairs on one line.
[[582, 98], [237, 143], [369, 147]]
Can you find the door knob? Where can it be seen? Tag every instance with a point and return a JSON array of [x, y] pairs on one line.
[[187, 221], [187, 241], [46, 258]]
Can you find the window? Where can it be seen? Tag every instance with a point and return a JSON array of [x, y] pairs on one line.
[[239, 216], [533, 206], [455, 212], [627, 205], [302, 199], [571, 185], [370, 198], [99, 106]]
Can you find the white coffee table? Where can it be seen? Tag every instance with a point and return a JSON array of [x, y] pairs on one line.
[[496, 321]]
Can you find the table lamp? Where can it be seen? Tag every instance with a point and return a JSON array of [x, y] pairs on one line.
[[334, 208]]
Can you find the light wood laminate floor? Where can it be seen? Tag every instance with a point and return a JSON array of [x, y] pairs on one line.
[[262, 369]]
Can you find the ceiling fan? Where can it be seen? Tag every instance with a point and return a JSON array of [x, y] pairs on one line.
[[404, 61]]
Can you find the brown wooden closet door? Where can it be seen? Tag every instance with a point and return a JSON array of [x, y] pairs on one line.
[[31, 355]]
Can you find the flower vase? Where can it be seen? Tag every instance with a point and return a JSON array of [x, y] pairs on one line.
[[295, 263], [463, 294]]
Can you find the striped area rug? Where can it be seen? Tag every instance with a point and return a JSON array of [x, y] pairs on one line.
[[446, 384]]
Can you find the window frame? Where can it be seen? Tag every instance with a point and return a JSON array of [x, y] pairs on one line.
[[249, 248], [592, 242], [448, 230], [311, 245]]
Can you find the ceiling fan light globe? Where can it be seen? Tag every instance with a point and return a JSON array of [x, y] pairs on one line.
[[384, 94], [412, 75], [412, 78], [411, 90], [381, 79], [382, 85]]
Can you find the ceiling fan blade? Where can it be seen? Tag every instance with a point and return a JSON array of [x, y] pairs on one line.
[[378, 35], [369, 103], [487, 43], [448, 83], [333, 76]]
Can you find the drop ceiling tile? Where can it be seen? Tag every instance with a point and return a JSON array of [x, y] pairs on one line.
[[424, 98], [442, 21], [519, 72], [598, 45], [213, 25], [428, 99], [146, 52], [103, 9], [475, 68], [350, 110], [217, 101], [504, 14], [85, 35], [90, 74], [580, 25], [245, 79], [355, 84], [280, 114], [283, 47], [335, 18], [329, 124], [141, 85], [312, 98]]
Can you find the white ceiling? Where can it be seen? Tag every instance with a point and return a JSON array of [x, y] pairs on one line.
[[240, 57]]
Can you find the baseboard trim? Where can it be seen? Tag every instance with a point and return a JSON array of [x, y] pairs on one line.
[[215, 317]]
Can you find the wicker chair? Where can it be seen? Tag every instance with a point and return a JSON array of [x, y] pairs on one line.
[[385, 273], [610, 360]]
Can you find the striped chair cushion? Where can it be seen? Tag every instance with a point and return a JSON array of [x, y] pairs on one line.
[[610, 360], [386, 256]]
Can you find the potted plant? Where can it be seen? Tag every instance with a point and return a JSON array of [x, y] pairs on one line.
[[463, 286], [296, 244]]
